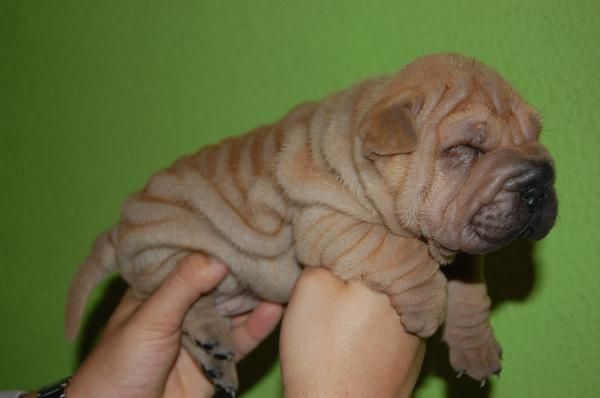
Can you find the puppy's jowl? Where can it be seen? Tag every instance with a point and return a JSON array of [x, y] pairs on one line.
[[384, 182]]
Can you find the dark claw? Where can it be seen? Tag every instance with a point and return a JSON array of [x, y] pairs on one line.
[[207, 345], [497, 373], [228, 390], [223, 356], [213, 374], [460, 373]]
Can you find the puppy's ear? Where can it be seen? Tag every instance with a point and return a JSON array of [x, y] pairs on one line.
[[390, 129]]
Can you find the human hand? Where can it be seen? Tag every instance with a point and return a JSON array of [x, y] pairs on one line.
[[140, 354], [344, 339]]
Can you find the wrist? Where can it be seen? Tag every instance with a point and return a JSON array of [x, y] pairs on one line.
[[55, 390]]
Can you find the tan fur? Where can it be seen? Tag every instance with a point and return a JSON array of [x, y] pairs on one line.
[[328, 185]]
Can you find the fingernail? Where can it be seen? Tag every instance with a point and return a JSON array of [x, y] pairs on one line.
[[213, 262]]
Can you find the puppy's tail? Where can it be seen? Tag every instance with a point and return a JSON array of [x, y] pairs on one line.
[[100, 263]]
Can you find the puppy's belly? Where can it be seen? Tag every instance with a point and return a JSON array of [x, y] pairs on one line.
[[270, 279], [154, 235], [148, 255]]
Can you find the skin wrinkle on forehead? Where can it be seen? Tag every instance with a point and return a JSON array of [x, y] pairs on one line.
[[509, 105], [465, 127], [460, 127], [494, 93], [493, 89], [529, 121]]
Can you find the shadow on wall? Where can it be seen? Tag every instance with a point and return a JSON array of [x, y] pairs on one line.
[[99, 315], [510, 276]]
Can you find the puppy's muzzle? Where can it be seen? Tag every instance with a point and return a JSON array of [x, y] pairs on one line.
[[536, 190]]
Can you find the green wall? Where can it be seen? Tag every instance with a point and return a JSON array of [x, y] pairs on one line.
[[95, 96]]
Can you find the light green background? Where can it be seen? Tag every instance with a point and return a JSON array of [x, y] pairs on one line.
[[95, 96]]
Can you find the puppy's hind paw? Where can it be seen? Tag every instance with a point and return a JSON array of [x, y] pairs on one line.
[[215, 360], [213, 349]]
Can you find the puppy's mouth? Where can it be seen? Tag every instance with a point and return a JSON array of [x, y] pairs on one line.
[[503, 219], [526, 206]]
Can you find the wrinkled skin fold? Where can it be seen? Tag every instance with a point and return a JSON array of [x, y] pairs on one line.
[[384, 182]]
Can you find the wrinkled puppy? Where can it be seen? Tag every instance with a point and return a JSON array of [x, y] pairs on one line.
[[382, 183]]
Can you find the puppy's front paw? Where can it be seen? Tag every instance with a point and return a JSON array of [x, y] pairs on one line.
[[479, 361], [422, 309], [422, 324]]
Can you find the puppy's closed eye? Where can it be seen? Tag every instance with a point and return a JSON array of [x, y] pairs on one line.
[[462, 154]]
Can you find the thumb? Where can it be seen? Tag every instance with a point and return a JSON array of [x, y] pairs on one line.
[[196, 274]]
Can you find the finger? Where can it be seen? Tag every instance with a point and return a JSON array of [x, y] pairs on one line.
[[259, 324], [187, 380], [195, 275]]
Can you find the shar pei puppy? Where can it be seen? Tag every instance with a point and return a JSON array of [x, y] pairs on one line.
[[385, 182]]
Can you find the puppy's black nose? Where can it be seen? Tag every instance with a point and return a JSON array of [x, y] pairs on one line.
[[545, 174], [534, 197], [539, 179]]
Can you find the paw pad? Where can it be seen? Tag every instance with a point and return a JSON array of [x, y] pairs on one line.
[[223, 356], [213, 374], [207, 345], [227, 390]]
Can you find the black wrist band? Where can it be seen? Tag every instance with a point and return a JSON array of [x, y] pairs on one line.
[[55, 390]]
